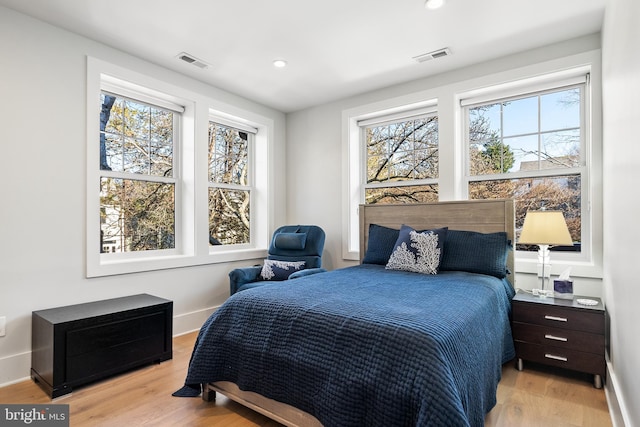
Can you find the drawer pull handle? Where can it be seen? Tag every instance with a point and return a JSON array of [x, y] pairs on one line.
[[557, 319], [554, 357], [555, 338]]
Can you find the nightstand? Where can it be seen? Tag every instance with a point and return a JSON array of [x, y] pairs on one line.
[[560, 332]]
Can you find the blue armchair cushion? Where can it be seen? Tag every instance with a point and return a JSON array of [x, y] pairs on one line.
[[280, 270], [418, 251], [298, 243], [292, 241]]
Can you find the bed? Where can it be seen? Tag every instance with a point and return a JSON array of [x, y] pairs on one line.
[[369, 345]]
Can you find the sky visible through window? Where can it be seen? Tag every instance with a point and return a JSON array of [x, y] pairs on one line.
[[529, 149], [551, 120]]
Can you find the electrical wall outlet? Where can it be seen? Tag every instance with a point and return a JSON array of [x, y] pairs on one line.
[[3, 326]]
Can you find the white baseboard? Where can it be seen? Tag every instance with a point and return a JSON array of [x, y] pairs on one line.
[[17, 368], [190, 322], [615, 401]]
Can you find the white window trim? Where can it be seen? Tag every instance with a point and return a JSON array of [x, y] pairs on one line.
[[222, 120], [535, 87], [192, 221], [353, 156], [452, 176], [126, 91]]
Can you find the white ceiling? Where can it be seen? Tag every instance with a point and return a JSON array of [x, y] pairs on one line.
[[334, 48]]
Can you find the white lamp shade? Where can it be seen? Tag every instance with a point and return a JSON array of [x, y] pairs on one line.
[[545, 228]]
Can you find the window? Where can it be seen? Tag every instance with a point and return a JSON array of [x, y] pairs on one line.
[[174, 178], [391, 155], [530, 147], [229, 185], [401, 160], [532, 134], [137, 175]]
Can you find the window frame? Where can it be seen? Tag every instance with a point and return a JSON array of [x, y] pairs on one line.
[[251, 181], [354, 155], [111, 87], [192, 244], [549, 83], [390, 119], [448, 94]]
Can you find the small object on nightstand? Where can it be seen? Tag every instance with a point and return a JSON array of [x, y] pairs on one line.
[[586, 301], [544, 228], [563, 285], [563, 289]]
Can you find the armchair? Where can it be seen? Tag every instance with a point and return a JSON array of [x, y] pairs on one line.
[[294, 251]]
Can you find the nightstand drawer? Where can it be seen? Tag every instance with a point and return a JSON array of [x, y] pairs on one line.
[[557, 337], [559, 317], [564, 358]]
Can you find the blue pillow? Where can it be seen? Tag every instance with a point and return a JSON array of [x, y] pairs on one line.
[[418, 251], [280, 270], [380, 244], [483, 253], [292, 241]]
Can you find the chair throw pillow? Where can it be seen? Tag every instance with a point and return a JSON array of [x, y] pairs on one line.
[[291, 241], [418, 251], [280, 270]]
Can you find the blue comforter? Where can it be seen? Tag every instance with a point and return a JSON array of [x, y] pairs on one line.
[[365, 346]]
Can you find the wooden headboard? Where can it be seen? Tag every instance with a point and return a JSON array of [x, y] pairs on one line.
[[484, 216]]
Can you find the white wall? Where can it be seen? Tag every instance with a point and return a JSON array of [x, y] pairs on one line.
[[43, 187], [621, 92]]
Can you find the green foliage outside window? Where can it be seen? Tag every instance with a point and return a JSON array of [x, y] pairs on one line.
[[531, 147]]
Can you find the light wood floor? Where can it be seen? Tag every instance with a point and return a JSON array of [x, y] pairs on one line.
[[536, 396]]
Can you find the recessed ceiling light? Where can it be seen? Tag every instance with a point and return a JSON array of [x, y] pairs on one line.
[[279, 63], [433, 4]]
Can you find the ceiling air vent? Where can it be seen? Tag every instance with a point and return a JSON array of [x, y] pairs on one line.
[[433, 55], [190, 59]]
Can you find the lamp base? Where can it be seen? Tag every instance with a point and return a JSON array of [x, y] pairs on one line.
[[544, 267]]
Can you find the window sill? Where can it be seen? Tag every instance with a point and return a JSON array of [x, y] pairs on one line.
[[105, 267], [578, 268]]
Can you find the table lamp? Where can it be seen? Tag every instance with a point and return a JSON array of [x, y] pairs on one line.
[[544, 228]]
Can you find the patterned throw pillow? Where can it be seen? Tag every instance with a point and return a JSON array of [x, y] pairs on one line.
[[280, 270], [418, 251]]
